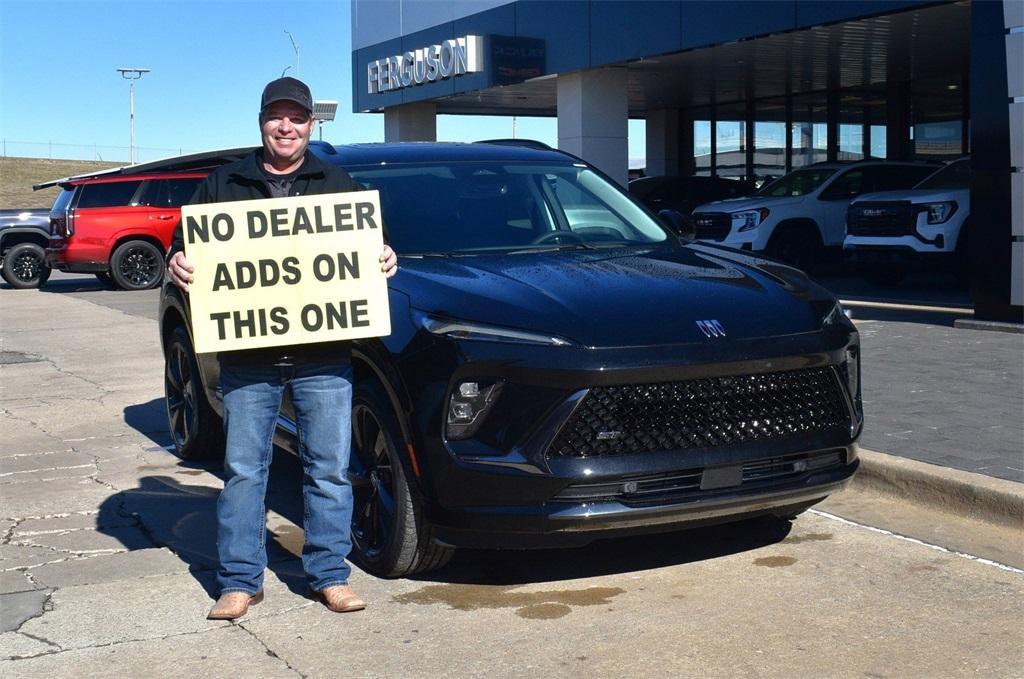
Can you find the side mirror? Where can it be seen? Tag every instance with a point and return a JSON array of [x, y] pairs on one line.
[[678, 224]]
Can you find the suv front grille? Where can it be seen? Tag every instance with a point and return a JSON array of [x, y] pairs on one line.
[[702, 413], [881, 219], [712, 225]]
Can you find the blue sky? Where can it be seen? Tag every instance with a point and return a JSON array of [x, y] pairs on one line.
[[61, 95]]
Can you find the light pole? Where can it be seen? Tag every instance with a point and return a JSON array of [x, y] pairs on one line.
[[298, 71], [131, 75]]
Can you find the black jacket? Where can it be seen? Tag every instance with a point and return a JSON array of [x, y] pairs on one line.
[[244, 180]]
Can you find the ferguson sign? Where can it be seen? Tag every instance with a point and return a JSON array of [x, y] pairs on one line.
[[427, 65]]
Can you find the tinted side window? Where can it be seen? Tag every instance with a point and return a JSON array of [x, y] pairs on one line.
[[180, 191], [61, 203], [847, 185], [115, 194], [892, 178]]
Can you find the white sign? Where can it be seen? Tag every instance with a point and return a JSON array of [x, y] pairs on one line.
[[282, 271], [449, 59]]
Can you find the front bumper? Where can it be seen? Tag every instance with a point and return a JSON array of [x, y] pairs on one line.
[[574, 524]]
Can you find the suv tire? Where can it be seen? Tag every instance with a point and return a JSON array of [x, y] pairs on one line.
[[25, 266], [390, 536], [137, 265], [196, 431]]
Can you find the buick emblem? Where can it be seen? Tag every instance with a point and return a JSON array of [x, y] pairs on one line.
[[712, 329]]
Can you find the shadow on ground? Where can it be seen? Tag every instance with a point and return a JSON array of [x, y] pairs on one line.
[[182, 517]]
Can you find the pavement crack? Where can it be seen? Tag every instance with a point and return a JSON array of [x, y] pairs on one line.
[[41, 640], [269, 650], [32, 423]]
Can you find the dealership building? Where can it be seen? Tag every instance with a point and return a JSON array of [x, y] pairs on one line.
[[750, 89]]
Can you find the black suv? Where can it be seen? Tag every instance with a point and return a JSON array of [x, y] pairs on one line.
[[561, 368]]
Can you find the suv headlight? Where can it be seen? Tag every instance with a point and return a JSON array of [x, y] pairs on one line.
[[749, 219], [835, 313], [853, 372], [939, 212], [489, 333], [468, 407]]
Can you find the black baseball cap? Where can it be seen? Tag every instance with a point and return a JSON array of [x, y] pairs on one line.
[[287, 89]]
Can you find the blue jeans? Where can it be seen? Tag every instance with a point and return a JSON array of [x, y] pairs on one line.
[[322, 396]]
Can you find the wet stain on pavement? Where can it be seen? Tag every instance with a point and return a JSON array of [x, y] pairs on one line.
[[190, 472], [775, 561], [533, 605], [808, 537], [544, 611]]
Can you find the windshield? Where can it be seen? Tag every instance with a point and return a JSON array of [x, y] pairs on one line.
[[477, 207], [797, 183], [954, 176]]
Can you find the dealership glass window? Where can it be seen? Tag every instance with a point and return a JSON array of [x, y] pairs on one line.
[[808, 130], [851, 141], [730, 143], [702, 144], [878, 142], [938, 107], [769, 141]]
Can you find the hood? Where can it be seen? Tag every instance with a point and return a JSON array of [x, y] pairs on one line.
[[623, 297], [749, 203], [916, 196]]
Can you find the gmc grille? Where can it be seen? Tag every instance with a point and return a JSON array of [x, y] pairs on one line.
[[712, 225], [881, 219], [702, 413]]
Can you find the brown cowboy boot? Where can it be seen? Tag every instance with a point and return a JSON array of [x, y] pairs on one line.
[[340, 599], [233, 605]]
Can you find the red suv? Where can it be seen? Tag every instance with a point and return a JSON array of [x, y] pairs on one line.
[[118, 227]]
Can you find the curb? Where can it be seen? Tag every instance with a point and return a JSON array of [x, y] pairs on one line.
[[999, 326], [950, 490]]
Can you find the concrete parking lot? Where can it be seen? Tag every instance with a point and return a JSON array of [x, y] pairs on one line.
[[107, 557]]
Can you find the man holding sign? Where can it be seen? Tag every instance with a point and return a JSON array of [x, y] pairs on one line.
[[264, 279]]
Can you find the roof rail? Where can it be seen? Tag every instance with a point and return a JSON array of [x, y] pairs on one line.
[[526, 143], [195, 161]]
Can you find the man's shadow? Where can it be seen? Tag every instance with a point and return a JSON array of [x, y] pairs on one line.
[[182, 517]]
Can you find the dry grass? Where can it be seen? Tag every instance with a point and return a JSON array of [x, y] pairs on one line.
[[17, 175]]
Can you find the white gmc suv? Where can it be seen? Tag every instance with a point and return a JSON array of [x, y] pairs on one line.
[[796, 217], [888, 233]]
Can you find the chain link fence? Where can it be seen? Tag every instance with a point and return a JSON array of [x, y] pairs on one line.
[[58, 151]]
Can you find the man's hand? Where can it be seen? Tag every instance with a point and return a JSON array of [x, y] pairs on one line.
[[388, 262], [181, 271]]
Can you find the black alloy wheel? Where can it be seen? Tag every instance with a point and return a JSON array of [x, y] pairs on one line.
[[25, 266], [390, 536], [137, 265], [373, 484], [195, 429]]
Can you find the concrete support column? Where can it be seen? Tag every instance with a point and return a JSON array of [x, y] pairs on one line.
[[411, 122], [662, 142], [593, 115]]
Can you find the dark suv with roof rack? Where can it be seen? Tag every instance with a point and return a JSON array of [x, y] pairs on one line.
[[561, 368]]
